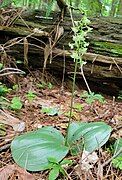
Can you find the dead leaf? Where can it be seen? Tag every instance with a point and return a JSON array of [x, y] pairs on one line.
[[59, 32], [25, 51], [47, 51], [100, 171], [8, 119], [9, 170], [83, 175], [88, 160], [39, 31], [6, 172], [117, 118]]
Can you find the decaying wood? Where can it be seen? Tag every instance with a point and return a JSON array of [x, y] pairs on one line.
[[104, 56]]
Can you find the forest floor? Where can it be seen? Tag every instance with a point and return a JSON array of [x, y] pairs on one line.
[[57, 97]]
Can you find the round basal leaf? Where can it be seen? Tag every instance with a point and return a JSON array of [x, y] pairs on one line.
[[88, 136], [32, 150]]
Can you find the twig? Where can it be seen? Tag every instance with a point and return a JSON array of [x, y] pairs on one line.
[[11, 71]]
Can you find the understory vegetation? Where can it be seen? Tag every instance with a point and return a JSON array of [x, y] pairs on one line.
[[48, 131]]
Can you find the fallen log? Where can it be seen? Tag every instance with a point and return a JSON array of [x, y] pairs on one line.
[[104, 56]]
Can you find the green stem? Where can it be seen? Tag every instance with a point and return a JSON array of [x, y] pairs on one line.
[[72, 99]]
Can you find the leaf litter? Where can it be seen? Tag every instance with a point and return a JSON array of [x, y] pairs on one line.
[[31, 117]]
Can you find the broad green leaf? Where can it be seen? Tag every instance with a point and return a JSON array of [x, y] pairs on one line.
[[117, 161], [88, 136], [32, 150], [54, 173]]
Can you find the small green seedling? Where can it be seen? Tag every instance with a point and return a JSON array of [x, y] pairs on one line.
[[57, 168], [16, 103], [49, 85], [120, 95], [15, 87], [78, 106], [3, 89], [51, 111], [73, 114], [19, 62], [44, 85], [30, 96], [1, 65], [92, 97]]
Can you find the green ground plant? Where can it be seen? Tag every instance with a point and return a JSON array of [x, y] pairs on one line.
[[57, 168], [30, 96], [78, 106], [32, 150], [4, 89], [51, 111], [15, 87], [92, 97], [120, 95], [45, 85], [4, 102], [1, 65], [16, 103], [117, 160]]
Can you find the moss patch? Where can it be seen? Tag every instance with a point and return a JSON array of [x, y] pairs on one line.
[[109, 46]]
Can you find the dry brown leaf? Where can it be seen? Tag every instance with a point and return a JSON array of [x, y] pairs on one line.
[[9, 170], [42, 33], [100, 171], [6, 172], [83, 175], [117, 118], [88, 160], [47, 51], [8, 119], [59, 32], [63, 125], [25, 51]]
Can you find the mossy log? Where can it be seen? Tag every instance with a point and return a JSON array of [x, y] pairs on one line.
[[104, 56]]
